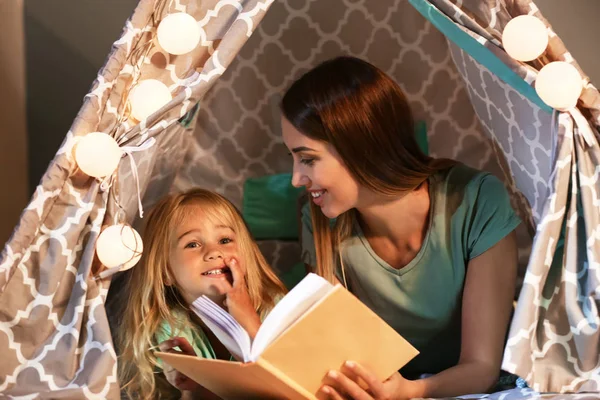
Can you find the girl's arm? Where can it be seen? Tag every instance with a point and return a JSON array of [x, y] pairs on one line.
[[487, 302], [189, 389]]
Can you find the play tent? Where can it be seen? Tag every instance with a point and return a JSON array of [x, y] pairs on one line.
[[221, 128]]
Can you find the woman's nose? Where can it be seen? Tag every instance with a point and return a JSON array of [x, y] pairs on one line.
[[299, 179]]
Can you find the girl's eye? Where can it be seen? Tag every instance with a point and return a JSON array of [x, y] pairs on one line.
[[192, 245], [225, 241], [307, 161]]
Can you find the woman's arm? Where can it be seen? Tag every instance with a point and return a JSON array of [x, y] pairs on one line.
[[487, 302], [486, 308]]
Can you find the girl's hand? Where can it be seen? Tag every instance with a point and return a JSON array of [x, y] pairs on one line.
[[343, 384], [174, 377], [238, 302]]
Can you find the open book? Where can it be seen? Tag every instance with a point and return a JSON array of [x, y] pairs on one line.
[[291, 307], [316, 327]]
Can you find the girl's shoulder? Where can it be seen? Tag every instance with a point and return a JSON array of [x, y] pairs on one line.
[[181, 326], [173, 327]]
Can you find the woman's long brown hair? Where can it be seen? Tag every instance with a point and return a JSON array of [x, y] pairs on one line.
[[363, 113]]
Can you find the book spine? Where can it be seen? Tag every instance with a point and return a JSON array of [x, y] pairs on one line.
[[303, 394]]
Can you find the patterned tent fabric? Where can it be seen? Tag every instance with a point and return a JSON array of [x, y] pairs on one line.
[[238, 134], [554, 339], [518, 126], [488, 18], [53, 322], [554, 342], [54, 335]]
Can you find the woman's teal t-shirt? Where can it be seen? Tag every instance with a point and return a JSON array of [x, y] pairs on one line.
[[470, 211]]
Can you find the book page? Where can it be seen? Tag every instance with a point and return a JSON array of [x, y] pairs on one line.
[[224, 326], [291, 307]]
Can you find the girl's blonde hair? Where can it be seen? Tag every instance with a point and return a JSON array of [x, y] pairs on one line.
[[151, 301], [359, 110]]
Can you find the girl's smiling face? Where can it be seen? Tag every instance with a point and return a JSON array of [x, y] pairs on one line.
[[200, 251]]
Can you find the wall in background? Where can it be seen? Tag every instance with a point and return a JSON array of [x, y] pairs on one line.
[[13, 134], [67, 42], [576, 22]]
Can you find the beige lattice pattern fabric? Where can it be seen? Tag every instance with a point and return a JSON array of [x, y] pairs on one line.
[[238, 135], [523, 132], [489, 17], [55, 339], [520, 128], [554, 339], [554, 342]]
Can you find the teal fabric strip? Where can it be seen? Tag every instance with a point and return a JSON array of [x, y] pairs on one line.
[[189, 117], [478, 51]]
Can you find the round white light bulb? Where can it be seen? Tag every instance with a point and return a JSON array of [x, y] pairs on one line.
[[147, 97], [119, 245], [178, 33], [525, 38], [559, 85], [97, 154]]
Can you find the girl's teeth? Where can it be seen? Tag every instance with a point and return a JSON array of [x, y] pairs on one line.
[[316, 194], [214, 272]]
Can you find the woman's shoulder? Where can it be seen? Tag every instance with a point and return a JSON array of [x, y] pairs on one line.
[[464, 187], [461, 175], [466, 182]]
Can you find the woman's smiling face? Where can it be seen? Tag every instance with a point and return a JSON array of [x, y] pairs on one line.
[[319, 168]]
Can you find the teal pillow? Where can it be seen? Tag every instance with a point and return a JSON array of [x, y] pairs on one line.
[[270, 202], [421, 135], [269, 207], [294, 275]]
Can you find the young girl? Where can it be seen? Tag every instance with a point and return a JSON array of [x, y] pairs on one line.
[[427, 244], [195, 243]]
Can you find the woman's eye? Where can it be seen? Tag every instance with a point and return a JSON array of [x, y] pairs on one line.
[[192, 245], [225, 241], [307, 161]]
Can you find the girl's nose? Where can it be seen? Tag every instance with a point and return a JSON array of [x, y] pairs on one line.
[[213, 254]]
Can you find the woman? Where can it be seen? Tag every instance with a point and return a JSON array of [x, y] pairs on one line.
[[427, 244]]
